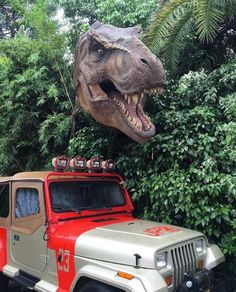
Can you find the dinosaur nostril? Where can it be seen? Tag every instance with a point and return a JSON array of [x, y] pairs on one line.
[[144, 61]]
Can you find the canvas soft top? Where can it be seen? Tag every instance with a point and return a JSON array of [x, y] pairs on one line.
[[42, 175], [33, 175], [5, 178]]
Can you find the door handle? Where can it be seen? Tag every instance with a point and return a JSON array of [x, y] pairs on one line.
[[16, 237]]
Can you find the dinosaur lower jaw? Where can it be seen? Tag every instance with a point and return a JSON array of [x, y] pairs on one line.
[[131, 112]]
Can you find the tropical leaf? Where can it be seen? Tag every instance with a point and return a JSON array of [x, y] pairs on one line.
[[208, 15], [175, 40], [164, 19]]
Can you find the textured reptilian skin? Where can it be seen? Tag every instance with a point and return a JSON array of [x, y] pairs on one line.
[[113, 74]]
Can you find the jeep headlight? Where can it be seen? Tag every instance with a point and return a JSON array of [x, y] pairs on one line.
[[199, 246], [161, 260]]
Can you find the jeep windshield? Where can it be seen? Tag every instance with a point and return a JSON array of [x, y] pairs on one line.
[[75, 196]]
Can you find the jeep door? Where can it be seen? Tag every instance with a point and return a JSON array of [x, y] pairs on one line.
[[28, 249]]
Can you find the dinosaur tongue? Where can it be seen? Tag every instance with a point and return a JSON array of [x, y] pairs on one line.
[[133, 112]]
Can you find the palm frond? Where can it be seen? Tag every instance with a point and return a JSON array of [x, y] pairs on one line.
[[175, 41], [208, 15], [163, 21]]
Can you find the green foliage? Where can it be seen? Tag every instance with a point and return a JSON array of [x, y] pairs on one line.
[[209, 14], [89, 141], [179, 20], [117, 12], [53, 133], [9, 16], [33, 93], [126, 13]]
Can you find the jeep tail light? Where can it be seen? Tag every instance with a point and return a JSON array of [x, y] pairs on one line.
[[94, 164], [78, 163], [60, 163], [108, 165]]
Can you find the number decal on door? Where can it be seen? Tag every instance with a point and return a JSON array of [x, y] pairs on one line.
[[63, 260]]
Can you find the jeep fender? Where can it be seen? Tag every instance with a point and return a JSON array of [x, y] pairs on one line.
[[214, 256], [144, 279]]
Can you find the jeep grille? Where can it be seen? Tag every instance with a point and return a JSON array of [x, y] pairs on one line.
[[184, 261]]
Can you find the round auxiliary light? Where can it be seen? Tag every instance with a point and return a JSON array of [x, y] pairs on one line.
[[109, 165], [94, 164], [78, 163], [60, 163]]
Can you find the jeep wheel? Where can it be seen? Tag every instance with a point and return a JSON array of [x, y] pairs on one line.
[[94, 286], [3, 282]]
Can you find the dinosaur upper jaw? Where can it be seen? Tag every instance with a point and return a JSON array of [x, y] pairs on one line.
[[125, 109]]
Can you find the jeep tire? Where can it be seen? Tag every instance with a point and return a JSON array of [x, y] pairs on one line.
[[3, 282], [95, 286]]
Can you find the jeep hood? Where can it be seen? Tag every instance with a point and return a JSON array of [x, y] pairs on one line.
[[118, 243]]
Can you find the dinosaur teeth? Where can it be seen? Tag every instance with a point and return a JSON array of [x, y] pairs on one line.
[[155, 90], [135, 98], [133, 120], [121, 106]]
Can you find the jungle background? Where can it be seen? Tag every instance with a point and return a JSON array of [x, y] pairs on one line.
[[186, 174]]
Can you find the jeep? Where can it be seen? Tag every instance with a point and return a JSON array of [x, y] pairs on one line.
[[64, 231]]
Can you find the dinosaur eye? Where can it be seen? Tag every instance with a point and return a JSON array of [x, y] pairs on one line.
[[100, 52]]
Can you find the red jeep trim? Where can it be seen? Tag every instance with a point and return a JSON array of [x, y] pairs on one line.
[[3, 247]]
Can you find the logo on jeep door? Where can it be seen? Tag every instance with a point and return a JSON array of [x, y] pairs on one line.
[[158, 230], [63, 260]]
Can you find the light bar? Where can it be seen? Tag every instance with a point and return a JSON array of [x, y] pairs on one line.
[[60, 163], [78, 163], [94, 164], [109, 165]]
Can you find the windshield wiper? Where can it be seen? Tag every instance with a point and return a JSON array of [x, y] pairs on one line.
[[99, 208], [61, 209]]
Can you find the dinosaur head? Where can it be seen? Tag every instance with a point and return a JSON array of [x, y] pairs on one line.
[[113, 74]]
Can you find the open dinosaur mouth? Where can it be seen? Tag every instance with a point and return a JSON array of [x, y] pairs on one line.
[[130, 105]]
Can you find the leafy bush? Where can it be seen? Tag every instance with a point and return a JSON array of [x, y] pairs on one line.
[[33, 94]]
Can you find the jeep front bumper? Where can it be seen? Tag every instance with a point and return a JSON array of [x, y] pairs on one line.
[[207, 280]]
